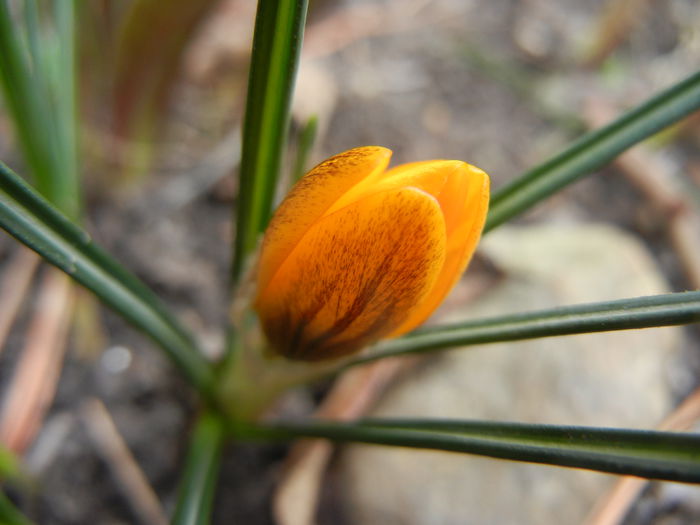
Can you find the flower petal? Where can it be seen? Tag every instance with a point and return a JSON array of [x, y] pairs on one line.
[[462, 191], [355, 276], [310, 198], [464, 202], [429, 176]]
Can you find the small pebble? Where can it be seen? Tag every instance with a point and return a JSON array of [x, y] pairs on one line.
[[116, 359]]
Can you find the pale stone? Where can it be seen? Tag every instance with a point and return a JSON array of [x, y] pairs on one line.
[[607, 379]]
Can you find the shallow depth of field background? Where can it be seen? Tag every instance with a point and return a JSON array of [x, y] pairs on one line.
[[501, 84]]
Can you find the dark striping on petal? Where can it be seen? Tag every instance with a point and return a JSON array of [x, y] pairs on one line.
[[368, 274], [311, 197]]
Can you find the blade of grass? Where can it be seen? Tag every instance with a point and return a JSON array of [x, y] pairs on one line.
[[9, 515], [27, 80], [34, 222], [594, 149], [64, 87], [626, 314], [196, 492], [650, 454], [31, 20], [279, 29], [23, 102], [9, 464]]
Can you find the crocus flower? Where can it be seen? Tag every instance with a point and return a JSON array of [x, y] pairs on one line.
[[356, 253]]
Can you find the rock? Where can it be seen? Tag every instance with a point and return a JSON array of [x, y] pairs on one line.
[[606, 379]]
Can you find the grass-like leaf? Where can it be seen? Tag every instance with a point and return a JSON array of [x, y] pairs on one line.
[[625, 314], [198, 485], [40, 95], [32, 220], [64, 85], [594, 149], [9, 515], [23, 100], [649, 454], [279, 30], [8, 463]]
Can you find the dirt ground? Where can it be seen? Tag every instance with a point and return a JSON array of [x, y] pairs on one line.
[[500, 84]]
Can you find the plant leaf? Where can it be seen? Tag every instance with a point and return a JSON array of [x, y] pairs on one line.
[[650, 454], [46, 133], [9, 515], [9, 464], [196, 492], [34, 222], [279, 30], [594, 149], [64, 86], [626, 314]]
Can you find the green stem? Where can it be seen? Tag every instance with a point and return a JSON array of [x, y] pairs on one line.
[[198, 485]]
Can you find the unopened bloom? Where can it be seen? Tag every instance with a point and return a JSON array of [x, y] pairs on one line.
[[356, 253]]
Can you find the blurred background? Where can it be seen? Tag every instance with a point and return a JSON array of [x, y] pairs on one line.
[[503, 85]]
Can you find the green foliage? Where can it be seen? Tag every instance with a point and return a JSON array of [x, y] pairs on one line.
[[9, 466], [37, 73], [201, 468], [9, 515], [33, 221], [40, 91], [626, 314], [649, 454], [279, 30]]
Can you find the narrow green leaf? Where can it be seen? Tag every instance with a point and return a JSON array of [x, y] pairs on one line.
[[27, 81], [31, 19], [649, 454], [9, 515], [594, 149], [625, 314], [23, 101], [34, 222], [279, 30], [198, 484], [64, 87], [9, 464]]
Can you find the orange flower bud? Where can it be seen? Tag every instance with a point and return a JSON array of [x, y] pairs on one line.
[[356, 253]]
